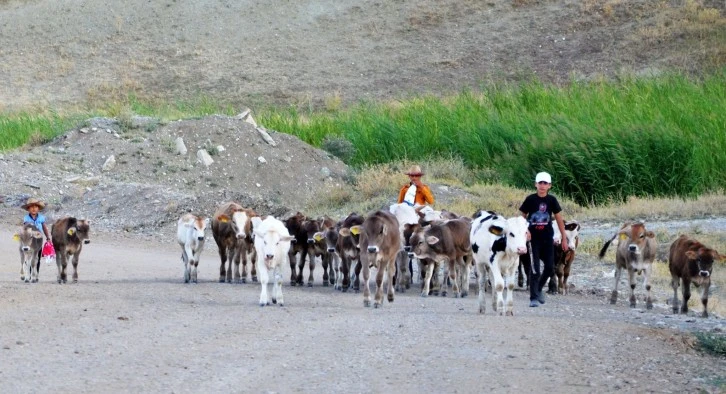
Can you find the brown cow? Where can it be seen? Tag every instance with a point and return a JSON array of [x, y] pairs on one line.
[[31, 242], [295, 226], [330, 260], [379, 243], [691, 261], [563, 260], [232, 231], [636, 252], [69, 235]]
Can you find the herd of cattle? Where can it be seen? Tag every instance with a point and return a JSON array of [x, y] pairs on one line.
[[398, 242]]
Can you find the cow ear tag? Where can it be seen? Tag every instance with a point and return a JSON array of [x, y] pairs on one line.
[[495, 230], [318, 237], [623, 237], [354, 230], [223, 219], [16, 237], [71, 231]]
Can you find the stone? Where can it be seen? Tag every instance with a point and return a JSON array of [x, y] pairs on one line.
[[181, 148], [204, 157], [109, 164]]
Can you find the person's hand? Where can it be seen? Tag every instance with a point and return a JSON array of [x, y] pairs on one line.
[[529, 236], [565, 247], [417, 182]]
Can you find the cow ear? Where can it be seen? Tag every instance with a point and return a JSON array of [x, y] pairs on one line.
[[287, 238], [691, 255], [318, 236], [496, 230], [344, 231], [71, 231], [206, 222], [650, 234], [431, 240], [223, 218], [37, 234], [355, 230]]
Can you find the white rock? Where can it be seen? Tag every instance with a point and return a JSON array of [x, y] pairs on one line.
[[84, 130], [261, 159], [181, 149], [109, 164], [204, 158], [220, 148], [266, 136]]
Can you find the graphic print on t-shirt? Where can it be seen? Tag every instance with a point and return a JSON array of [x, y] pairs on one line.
[[540, 219]]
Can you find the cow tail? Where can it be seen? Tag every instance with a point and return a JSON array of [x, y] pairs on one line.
[[605, 247]]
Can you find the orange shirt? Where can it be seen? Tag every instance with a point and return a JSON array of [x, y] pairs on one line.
[[423, 195]]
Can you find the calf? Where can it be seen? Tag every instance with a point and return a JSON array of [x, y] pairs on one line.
[[272, 243], [69, 235], [232, 231], [636, 249], [325, 249], [406, 216], [190, 233], [379, 245], [563, 260], [691, 261], [31, 242], [496, 244]]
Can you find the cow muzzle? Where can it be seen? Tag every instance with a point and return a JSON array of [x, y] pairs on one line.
[[633, 248], [373, 249], [522, 250], [407, 248], [86, 241], [200, 238], [331, 250], [704, 274], [311, 241], [25, 248]]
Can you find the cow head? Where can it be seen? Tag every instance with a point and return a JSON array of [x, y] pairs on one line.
[[328, 234], [198, 226], [81, 231], [310, 227], [240, 221], [29, 237], [377, 232], [515, 234], [704, 258], [408, 231], [572, 234], [636, 238]]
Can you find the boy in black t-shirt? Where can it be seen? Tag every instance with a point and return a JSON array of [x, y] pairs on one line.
[[538, 209]]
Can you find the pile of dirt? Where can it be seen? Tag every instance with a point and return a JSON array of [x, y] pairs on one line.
[[134, 179]]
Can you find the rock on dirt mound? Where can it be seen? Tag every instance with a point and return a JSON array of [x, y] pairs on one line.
[[133, 178]]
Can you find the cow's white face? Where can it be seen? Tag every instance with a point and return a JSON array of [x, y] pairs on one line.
[[239, 224], [273, 246], [572, 233], [516, 233], [198, 228], [29, 239]]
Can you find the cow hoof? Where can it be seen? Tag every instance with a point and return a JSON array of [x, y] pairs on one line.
[[675, 310], [243, 280], [344, 289], [464, 294], [390, 298], [632, 305], [59, 281], [186, 280], [262, 304], [424, 294], [221, 280], [292, 283], [274, 300], [613, 301], [705, 314], [34, 281], [510, 313], [310, 284], [22, 277], [325, 284], [194, 281], [649, 305], [443, 294], [482, 310], [254, 279], [366, 304]]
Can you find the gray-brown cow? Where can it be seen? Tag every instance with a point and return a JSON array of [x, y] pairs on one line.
[[379, 243], [636, 249], [232, 231], [691, 261], [347, 249], [31, 242], [69, 235]]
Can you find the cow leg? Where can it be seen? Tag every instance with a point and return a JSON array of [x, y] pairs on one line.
[[632, 281], [311, 267], [704, 296], [26, 272], [378, 299], [34, 268], [76, 256], [482, 279], [344, 279], [675, 282], [60, 262], [464, 274], [427, 279], [241, 277], [62, 269], [453, 279], [686, 294], [233, 270], [185, 263], [366, 273], [509, 285], [614, 295], [277, 286], [300, 266], [391, 273], [357, 272], [520, 275], [646, 283], [223, 262], [498, 286], [264, 277], [325, 262], [252, 258]]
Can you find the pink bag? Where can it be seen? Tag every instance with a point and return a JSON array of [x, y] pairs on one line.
[[48, 252]]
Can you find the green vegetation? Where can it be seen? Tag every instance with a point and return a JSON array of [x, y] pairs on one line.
[[601, 140], [712, 342]]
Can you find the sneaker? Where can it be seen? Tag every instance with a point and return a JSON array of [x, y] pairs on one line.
[[541, 297], [533, 304]]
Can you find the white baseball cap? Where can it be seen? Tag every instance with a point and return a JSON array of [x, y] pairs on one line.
[[543, 177]]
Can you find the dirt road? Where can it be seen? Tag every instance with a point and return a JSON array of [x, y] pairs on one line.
[[131, 325]]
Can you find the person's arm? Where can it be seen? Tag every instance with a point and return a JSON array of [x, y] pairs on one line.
[[524, 215], [46, 231], [402, 194], [561, 226], [427, 195]]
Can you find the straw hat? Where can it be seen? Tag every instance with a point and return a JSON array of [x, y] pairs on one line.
[[33, 201], [414, 170]]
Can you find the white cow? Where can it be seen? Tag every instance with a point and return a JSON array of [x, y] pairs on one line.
[[190, 233], [272, 243], [497, 244], [31, 242]]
